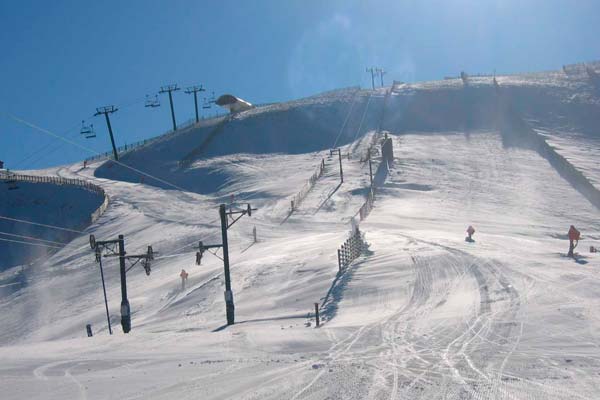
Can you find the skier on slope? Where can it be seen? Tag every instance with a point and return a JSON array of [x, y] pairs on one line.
[[574, 236], [184, 277], [470, 232]]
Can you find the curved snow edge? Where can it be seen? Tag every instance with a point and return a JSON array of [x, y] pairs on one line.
[[57, 180]]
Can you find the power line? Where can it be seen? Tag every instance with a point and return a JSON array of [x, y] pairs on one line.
[[43, 130], [346, 119], [38, 224], [31, 238], [363, 118], [135, 101], [45, 147], [31, 244]]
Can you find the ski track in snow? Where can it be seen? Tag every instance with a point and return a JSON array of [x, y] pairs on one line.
[[421, 315]]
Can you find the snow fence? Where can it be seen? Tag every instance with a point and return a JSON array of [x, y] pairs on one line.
[[10, 177]]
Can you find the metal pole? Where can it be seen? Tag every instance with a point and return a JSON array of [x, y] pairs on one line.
[[105, 300], [172, 110], [341, 170], [125, 309], [317, 314], [196, 105], [229, 306], [372, 79], [370, 169], [112, 138]]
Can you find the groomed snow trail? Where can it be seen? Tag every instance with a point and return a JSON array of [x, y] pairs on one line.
[[422, 315]]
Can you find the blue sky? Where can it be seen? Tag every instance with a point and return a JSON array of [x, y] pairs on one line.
[[59, 60]]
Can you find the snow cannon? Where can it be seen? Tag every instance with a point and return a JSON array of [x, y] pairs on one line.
[[146, 261]]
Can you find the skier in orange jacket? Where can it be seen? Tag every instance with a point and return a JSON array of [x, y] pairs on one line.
[[184, 277], [574, 236]]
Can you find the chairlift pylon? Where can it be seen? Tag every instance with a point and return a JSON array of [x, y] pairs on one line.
[[152, 102], [87, 130]]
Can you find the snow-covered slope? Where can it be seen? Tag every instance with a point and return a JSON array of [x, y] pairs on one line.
[[422, 314], [193, 160]]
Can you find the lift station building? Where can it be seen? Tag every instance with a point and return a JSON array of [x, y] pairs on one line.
[[233, 104]]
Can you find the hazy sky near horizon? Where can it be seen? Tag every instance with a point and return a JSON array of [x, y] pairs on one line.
[[62, 59]]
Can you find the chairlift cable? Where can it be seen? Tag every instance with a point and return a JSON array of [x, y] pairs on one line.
[[33, 238], [30, 243], [43, 130], [354, 96], [38, 224], [362, 118], [45, 146]]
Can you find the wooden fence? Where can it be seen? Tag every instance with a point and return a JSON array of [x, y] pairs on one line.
[[352, 248], [301, 195], [12, 178]]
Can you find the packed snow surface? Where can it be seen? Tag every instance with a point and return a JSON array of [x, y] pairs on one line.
[[422, 314]]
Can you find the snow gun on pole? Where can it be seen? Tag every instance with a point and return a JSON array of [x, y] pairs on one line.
[[225, 224]]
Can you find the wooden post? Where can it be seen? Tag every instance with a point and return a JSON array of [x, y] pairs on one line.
[[318, 322], [292, 205]]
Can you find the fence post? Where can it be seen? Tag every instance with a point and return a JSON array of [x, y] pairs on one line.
[[318, 322], [292, 205]]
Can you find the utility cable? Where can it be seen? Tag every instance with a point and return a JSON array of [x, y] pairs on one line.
[[43, 130], [38, 224], [32, 238], [362, 118], [31, 244], [54, 146], [354, 96]]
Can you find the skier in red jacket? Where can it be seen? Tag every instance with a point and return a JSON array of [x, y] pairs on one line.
[[574, 236], [470, 232]]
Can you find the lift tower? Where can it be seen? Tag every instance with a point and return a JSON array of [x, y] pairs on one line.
[[170, 89], [106, 110]]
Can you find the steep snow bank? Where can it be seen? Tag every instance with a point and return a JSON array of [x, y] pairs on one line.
[[62, 205], [313, 124]]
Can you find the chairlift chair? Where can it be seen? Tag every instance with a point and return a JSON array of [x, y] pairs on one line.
[[206, 103], [213, 99], [152, 102], [87, 130]]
